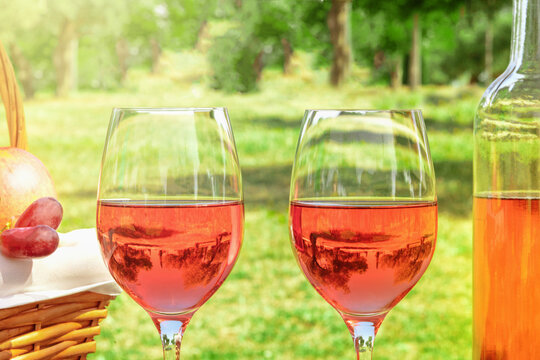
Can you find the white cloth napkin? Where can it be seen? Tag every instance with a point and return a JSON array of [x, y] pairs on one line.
[[75, 266]]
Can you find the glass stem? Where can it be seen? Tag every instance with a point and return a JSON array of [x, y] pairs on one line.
[[171, 332], [363, 333]]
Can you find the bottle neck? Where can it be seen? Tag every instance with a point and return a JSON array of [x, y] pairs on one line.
[[526, 36]]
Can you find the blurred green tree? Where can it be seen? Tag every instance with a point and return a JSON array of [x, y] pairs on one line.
[[384, 49], [277, 31], [142, 35], [155, 24], [338, 24], [489, 9], [322, 27], [72, 20], [92, 44], [236, 56], [18, 19], [467, 59], [407, 14], [267, 32]]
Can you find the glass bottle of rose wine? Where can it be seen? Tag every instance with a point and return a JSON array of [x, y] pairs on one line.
[[506, 269]]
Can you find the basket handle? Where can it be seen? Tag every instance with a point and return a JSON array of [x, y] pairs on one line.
[[11, 96]]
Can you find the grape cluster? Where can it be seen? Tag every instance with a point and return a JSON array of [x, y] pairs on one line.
[[34, 234]]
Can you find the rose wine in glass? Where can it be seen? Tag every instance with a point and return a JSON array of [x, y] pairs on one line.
[[346, 250], [171, 256], [170, 211], [363, 212]]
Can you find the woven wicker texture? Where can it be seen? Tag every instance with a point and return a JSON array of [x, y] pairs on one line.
[[61, 328]]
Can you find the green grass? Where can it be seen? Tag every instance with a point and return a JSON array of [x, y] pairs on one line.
[[266, 309]]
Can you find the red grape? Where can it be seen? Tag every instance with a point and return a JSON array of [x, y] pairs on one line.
[[43, 211], [29, 242]]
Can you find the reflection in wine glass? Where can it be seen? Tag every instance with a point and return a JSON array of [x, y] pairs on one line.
[[363, 212], [170, 211]]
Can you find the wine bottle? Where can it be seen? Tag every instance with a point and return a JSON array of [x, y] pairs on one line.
[[506, 268]]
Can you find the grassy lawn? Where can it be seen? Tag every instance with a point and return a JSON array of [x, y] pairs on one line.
[[266, 309]]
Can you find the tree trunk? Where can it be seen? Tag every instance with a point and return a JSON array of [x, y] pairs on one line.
[[201, 35], [415, 62], [122, 53], [287, 56], [338, 22], [156, 54], [488, 56], [258, 65], [75, 65], [65, 59], [396, 74], [24, 71]]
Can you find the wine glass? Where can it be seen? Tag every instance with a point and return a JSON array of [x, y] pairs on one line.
[[170, 210], [363, 212]]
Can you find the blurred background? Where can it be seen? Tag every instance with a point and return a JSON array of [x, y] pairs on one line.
[[267, 61]]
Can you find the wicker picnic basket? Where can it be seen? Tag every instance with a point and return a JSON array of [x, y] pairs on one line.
[[60, 328]]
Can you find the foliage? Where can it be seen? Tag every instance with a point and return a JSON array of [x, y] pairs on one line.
[[87, 14], [467, 59], [380, 32], [271, 32], [261, 29], [18, 19], [232, 55], [440, 39], [232, 59], [311, 32], [452, 40], [99, 67], [38, 48], [172, 24], [186, 17], [388, 41]]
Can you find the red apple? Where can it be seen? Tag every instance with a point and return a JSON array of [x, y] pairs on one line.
[[23, 179]]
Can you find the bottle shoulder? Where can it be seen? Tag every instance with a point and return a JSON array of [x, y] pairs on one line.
[[513, 86], [512, 97]]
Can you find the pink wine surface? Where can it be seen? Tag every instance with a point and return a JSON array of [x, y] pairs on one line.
[[170, 257], [363, 259], [506, 278]]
